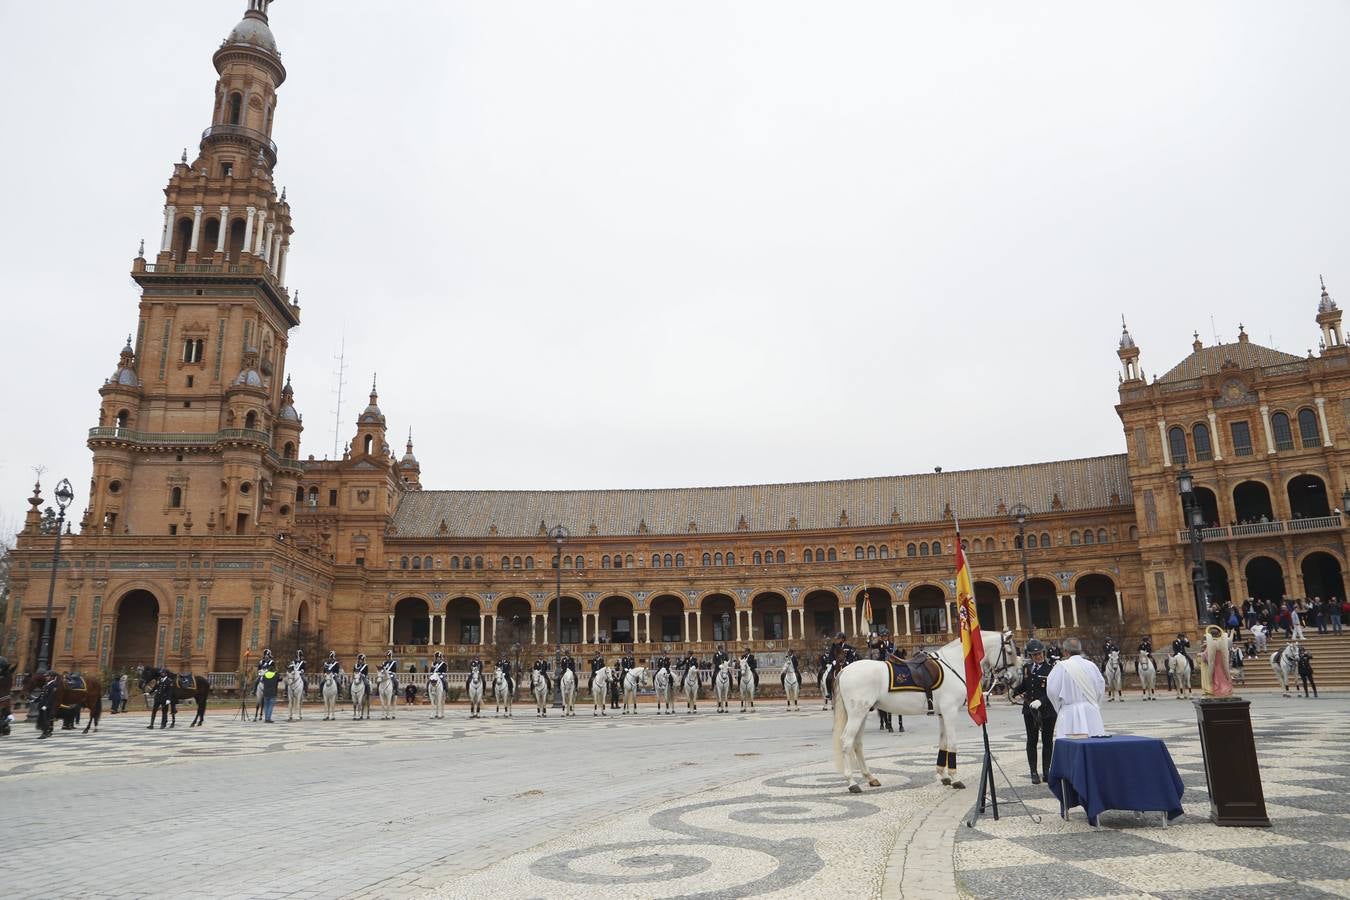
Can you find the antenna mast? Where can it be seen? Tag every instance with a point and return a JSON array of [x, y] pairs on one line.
[[341, 376]]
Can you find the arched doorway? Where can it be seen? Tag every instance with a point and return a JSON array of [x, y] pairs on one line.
[[571, 621], [987, 605], [302, 617], [463, 622], [1096, 598], [820, 615], [1265, 578], [768, 617], [1322, 577], [1044, 599], [719, 618], [668, 619], [136, 631], [412, 622], [615, 622], [1209, 507], [880, 599], [1251, 503], [1308, 497], [928, 610], [514, 622], [1220, 591]]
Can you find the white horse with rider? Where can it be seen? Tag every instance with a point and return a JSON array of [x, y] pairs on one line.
[[865, 685], [501, 692], [328, 689], [791, 687], [1115, 677], [295, 693], [633, 681], [665, 690], [600, 690], [539, 691], [360, 697], [474, 688], [722, 686], [1180, 667], [436, 692], [1148, 674], [745, 681], [384, 687], [1285, 664], [690, 686], [569, 692]]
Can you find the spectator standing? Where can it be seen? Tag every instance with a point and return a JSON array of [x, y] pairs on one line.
[[115, 694], [1319, 614], [1298, 618], [1305, 673], [122, 683]]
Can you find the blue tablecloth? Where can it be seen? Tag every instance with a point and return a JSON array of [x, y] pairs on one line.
[[1118, 772]]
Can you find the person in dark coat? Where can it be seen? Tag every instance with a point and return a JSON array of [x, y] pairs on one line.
[[1305, 673], [1038, 713], [269, 684]]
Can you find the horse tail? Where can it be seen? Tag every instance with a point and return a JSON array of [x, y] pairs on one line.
[[840, 720]]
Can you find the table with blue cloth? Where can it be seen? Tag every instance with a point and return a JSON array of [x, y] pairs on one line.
[[1118, 772]]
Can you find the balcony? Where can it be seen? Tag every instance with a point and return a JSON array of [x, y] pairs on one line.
[[169, 440], [241, 136], [1263, 529]]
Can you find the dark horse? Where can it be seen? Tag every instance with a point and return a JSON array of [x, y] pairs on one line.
[[166, 689], [6, 684], [68, 698]]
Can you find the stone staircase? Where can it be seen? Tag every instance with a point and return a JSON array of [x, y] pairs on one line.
[[1330, 658]]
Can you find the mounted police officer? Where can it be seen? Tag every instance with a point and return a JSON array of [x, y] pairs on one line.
[[331, 666], [792, 661], [662, 662], [505, 665], [1109, 645], [685, 664], [440, 667], [267, 663], [1038, 713], [567, 665], [597, 663], [626, 663], [719, 657], [390, 665], [298, 664], [748, 662], [541, 666], [1181, 644], [361, 672]]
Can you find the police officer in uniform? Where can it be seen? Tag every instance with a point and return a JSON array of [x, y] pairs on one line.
[[298, 664], [440, 667], [719, 656], [626, 663], [267, 663], [663, 662], [885, 647], [1146, 646], [361, 672], [1109, 645], [792, 661], [597, 663], [331, 666], [567, 665], [688, 662], [390, 665], [1038, 713], [748, 662], [1182, 644], [505, 665], [541, 666]]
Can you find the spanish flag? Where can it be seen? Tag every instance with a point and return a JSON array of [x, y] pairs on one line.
[[867, 609], [972, 645]]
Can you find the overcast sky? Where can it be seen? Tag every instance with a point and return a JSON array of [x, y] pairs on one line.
[[624, 244]]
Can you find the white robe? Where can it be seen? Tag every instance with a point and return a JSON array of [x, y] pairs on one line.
[[1078, 705]]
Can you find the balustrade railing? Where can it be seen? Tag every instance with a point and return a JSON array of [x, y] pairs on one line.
[[1258, 529]]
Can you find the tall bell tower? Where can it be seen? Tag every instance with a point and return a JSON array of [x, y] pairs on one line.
[[197, 426]]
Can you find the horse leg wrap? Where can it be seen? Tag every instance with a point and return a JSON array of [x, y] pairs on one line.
[[951, 761], [942, 759]]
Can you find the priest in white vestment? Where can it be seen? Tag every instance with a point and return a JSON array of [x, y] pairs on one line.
[[1076, 689]]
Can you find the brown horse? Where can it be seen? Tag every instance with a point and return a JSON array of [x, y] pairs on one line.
[[200, 688], [89, 697]]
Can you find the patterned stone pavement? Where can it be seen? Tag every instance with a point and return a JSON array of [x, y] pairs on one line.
[[1305, 769]]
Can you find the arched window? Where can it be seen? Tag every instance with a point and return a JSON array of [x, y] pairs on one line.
[[965, 544], [758, 559], [1073, 539], [829, 555], [885, 551], [288, 451], [234, 109], [581, 562], [529, 562], [1134, 532], [1307, 428], [251, 420], [467, 563], [707, 559], [656, 560], [454, 562], [911, 550], [1176, 442], [567, 562], [1045, 539], [313, 496], [417, 562], [628, 561], [516, 563], [717, 559], [1204, 450], [1101, 535], [807, 556], [731, 558], [1284, 436], [668, 560], [176, 497], [370, 445], [780, 556], [618, 561], [1017, 542], [1031, 542], [1089, 537], [183, 240], [937, 548], [872, 552], [403, 562], [679, 560], [858, 553], [923, 548], [300, 495], [122, 418], [506, 562]]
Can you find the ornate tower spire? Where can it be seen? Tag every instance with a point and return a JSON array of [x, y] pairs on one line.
[[1329, 320], [1129, 355]]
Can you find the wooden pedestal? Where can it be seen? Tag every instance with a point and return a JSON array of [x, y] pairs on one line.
[[1231, 771]]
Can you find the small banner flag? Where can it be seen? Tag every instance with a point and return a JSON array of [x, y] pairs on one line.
[[972, 645], [867, 609]]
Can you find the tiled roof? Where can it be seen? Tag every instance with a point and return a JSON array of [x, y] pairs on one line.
[[1079, 483], [1208, 360]]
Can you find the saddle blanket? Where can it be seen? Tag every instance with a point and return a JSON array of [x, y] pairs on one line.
[[187, 682], [902, 679], [74, 682]]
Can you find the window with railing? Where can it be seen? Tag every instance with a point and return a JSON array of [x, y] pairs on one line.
[[1307, 428], [1242, 438], [1284, 435], [1204, 448], [1176, 443]]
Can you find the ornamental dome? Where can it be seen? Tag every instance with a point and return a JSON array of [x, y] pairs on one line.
[[1126, 342], [125, 375], [1326, 304], [252, 29]]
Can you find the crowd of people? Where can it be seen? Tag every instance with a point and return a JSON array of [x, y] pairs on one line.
[[1262, 618]]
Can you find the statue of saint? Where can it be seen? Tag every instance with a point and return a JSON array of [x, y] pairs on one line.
[[1215, 678]]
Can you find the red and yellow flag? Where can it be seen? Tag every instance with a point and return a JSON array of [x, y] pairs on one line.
[[972, 645]]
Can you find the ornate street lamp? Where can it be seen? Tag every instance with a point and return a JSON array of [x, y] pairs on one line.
[[1195, 523], [1019, 514], [64, 495], [559, 535]]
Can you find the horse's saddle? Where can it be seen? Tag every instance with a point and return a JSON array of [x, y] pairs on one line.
[[187, 682], [918, 673], [74, 682]]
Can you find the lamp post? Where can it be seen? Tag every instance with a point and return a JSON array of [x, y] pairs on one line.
[[1195, 522], [1019, 513], [64, 495], [559, 535]]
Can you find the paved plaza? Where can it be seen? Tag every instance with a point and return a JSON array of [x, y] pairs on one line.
[[710, 805]]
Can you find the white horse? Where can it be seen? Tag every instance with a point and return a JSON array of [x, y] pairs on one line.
[[1148, 674], [722, 686], [539, 690], [600, 690], [328, 689], [1180, 667], [384, 686], [865, 685], [569, 692], [501, 693], [475, 691], [1285, 664], [295, 693], [745, 680], [360, 698], [634, 680], [1115, 677], [690, 687], [436, 693], [665, 690], [791, 687]]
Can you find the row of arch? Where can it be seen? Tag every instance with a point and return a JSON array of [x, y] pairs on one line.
[[1281, 428], [1251, 502]]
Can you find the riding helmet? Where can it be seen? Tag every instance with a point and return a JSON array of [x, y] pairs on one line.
[[1034, 646]]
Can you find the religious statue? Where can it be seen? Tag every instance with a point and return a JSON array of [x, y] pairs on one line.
[[1215, 678]]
